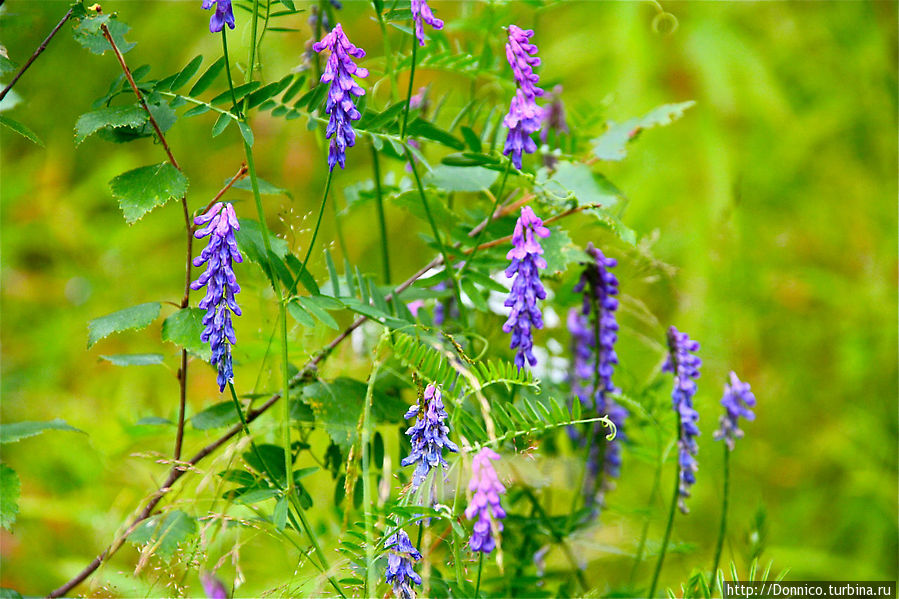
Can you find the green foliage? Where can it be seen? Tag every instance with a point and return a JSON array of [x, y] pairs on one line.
[[141, 190], [21, 129], [184, 328], [612, 145], [163, 533], [215, 416], [134, 359], [16, 431], [88, 32], [109, 117], [10, 488], [455, 178], [135, 317]]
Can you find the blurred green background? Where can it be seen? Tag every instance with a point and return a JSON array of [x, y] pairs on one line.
[[774, 198]]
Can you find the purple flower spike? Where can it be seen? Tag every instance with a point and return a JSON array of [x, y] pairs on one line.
[[554, 116], [737, 401], [223, 14], [522, 57], [527, 258], [221, 285], [428, 435], [421, 12], [213, 587], [400, 562], [485, 501], [684, 365], [343, 92], [524, 115]]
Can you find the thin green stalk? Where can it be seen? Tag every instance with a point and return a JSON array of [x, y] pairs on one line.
[[370, 578], [385, 254], [251, 64], [234, 107], [671, 511], [409, 92], [496, 201], [246, 431], [318, 224], [388, 54], [325, 566], [722, 531], [477, 586], [446, 261]]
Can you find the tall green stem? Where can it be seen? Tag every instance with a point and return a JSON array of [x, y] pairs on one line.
[[234, 107], [671, 511], [409, 92], [477, 586], [385, 254], [251, 63], [722, 530], [370, 578]]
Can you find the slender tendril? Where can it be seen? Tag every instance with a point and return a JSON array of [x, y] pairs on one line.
[[722, 530]]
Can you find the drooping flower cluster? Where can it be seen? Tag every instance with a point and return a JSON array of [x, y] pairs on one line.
[[524, 115], [737, 401], [400, 561], [554, 115], [221, 285], [485, 503], [527, 258], [421, 13], [223, 14], [428, 435], [684, 365], [213, 587], [342, 94]]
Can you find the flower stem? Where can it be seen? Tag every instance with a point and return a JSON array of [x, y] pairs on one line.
[[671, 510], [409, 92], [234, 107], [722, 531], [477, 586], [318, 223], [251, 64], [370, 579], [385, 254]]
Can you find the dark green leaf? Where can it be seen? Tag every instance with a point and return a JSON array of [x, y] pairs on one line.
[[184, 328], [89, 34], [422, 128], [6, 65], [471, 138], [164, 532], [245, 132], [221, 123], [153, 421], [239, 92], [216, 416], [134, 359], [9, 496], [314, 306], [135, 317], [271, 464], [187, 73], [208, 77], [9, 594], [20, 129], [16, 431], [457, 178], [141, 190], [110, 116]]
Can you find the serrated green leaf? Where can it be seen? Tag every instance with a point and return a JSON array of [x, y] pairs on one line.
[[612, 145], [164, 532], [135, 317], [141, 190], [89, 34], [216, 416], [458, 178], [9, 496], [614, 224], [108, 117], [16, 431], [21, 129], [134, 359], [587, 187], [184, 328], [559, 251]]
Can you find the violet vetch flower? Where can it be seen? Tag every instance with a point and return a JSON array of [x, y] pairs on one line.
[[213, 587], [400, 561], [485, 502], [524, 115], [428, 435], [221, 285], [342, 94], [527, 258], [554, 116], [684, 365], [223, 14], [737, 401], [421, 13]]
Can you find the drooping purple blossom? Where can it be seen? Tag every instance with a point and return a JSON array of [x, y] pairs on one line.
[[421, 13], [527, 259], [213, 587], [428, 435], [554, 115], [737, 401], [342, 94], [223, 14], [524, 115], [221, 285], [400, 565], [684, 365], [580, 378], [485, 503]]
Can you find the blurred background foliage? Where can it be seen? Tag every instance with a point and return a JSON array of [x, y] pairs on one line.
[[774, 199]]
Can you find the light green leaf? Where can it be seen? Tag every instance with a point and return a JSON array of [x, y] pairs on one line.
[[134, 359], [153, 421], [587, 187], [246, 132], [135, 317], [612, 145], [316, 308], [164, 532], [279, 515], [9, 496], [16, 431], [458, 178], [265, 188], [184, 328], [89, 34], [614, 224], [9, 594], [108, 117], [141, 190], [217, 416], [6, 65], [559, 252], [299, 314], [20, 129]]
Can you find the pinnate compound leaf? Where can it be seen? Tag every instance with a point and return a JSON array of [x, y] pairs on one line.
[[133, 359], [612, 145], [20, 129], [164, 532], [141, 190], [184, 328], [135, 317], [108, 117], [16, 431], [9, 496]]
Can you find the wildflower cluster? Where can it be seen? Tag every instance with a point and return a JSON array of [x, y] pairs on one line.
[[428, 435], [223, 14], [342, 94], [421, 12], [527, 258], [485, 502], [524, 115], [221, 285], [737, 401], [400, 565], [682, 362]]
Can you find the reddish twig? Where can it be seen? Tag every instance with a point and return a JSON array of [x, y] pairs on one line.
[[37, 53]]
